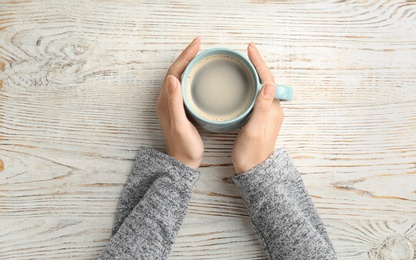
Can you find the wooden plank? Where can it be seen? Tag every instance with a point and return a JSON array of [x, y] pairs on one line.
[[78, 85]]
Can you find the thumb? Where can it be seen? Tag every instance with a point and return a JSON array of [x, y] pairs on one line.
[[265, 99], [263, 105], [175, 100]]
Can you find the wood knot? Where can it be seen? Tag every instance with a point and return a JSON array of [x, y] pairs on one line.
[[1, 165], [395, 247]]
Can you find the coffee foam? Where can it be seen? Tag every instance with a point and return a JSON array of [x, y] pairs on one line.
[[220, 88]]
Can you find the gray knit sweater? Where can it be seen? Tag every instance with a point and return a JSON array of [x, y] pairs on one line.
[[155, 200]]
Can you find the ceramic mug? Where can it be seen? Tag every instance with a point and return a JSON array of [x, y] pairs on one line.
[[220, 87]]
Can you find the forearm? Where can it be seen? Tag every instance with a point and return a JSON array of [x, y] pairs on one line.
[[282, 212], [152, 207]]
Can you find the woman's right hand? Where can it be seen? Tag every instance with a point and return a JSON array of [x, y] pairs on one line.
[[183, 141]]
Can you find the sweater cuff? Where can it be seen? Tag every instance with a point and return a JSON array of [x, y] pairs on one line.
[[160, 162], [275, 169]]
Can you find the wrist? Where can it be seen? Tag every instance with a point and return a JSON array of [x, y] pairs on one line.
[[243, 167], [193, 163]]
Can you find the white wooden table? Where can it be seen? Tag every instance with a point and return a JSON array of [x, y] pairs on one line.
[[79, 81]]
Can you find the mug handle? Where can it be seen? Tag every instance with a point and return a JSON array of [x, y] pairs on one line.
[[284, 93]]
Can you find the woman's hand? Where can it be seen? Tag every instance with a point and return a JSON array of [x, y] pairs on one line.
[[255, 143], [183, 141]]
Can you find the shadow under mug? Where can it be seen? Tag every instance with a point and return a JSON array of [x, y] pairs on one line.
[[283, 93]]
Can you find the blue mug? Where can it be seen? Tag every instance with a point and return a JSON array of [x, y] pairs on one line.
[[282, 92]]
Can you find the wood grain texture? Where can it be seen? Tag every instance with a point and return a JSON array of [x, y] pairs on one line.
[[78, 85]]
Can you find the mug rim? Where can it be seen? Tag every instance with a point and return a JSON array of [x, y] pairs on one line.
[[235, 54]]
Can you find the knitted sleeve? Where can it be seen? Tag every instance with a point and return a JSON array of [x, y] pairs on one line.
[[282, 211], [152, 207]]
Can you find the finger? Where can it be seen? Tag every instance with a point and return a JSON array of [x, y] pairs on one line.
[[175, 100], [263, 105], [176, 70], [184, 58], [264, 73], [162, 101]]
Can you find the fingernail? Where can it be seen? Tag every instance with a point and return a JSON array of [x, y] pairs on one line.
[[252, 45], [268, 91], [197, 39]]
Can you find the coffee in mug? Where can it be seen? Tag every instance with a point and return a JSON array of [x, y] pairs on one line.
[[220, 87]]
